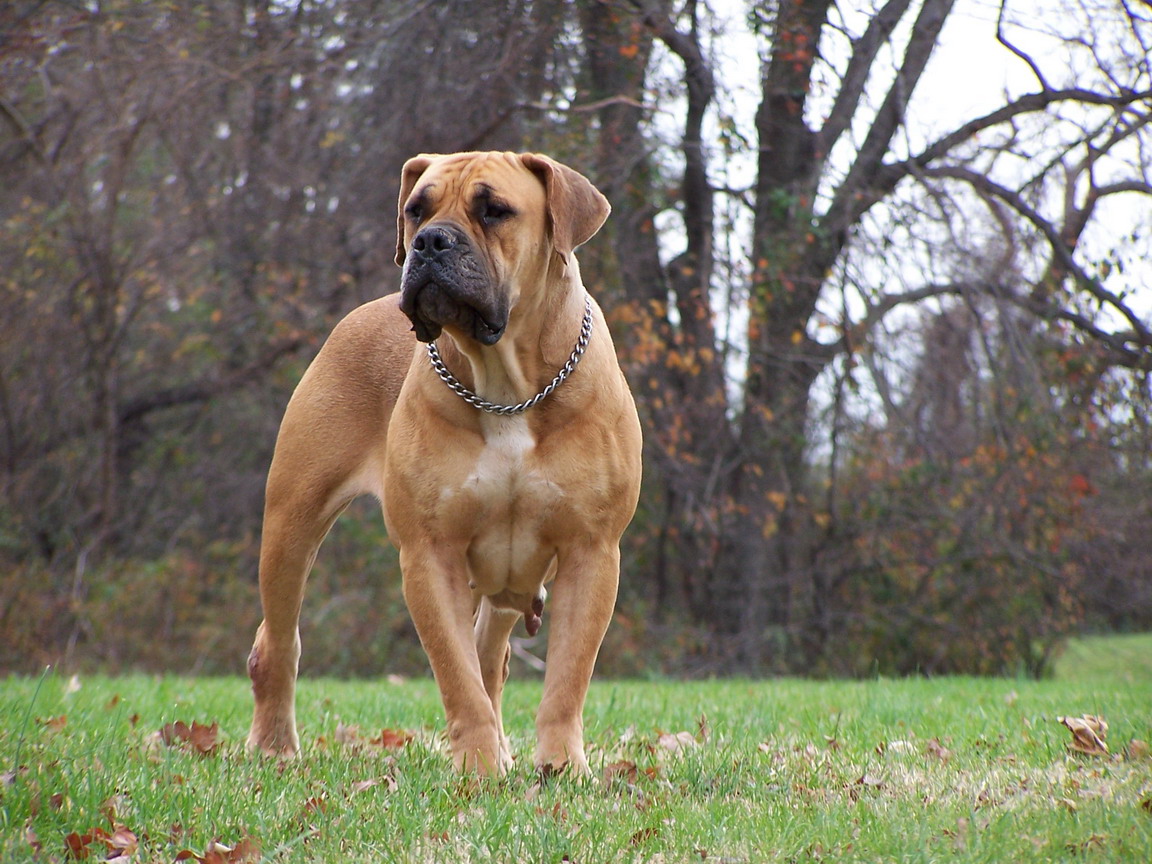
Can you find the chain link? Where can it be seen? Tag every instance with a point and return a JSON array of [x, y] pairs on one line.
[[491, 407]]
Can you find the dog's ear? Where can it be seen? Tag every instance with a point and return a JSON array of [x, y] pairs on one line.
[[575, 207], [413, 168]]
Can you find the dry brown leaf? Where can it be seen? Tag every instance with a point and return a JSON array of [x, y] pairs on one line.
[[1088, 734], [937, 750], [676, 742], [247, 851], [347, 734], [1137, 750], [623, 770], [199, 738], [644, 835], [53, 724], [391, 739], [121, 841], [31, 839], [1094, 841], [76, 846], [111, 805]]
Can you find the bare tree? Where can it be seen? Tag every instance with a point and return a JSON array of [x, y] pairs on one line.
[[737, 474]]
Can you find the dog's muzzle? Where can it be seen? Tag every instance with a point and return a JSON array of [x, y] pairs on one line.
[[445, 284]]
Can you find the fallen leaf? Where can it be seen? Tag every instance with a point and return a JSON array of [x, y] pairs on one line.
[[1087, 734], [32, 840], [347, 734], [76, 846], [871, 780], [247, 851], [623, 770], [1094, 841], [315, 804], [937, 750], [1137, 750], [644, 835], [198, 737], [53, 724], [900, 748], [111, 805], [121, 841], [676, 742], [391, 739]]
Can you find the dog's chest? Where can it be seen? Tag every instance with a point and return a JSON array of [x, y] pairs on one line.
[[504, 507]]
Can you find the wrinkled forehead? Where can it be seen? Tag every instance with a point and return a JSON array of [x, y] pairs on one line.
[[465, 178]]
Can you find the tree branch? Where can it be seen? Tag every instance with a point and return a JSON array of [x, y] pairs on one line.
[[987, 186], [135, 409], [890, 116], [1003, 40], [1118, 344], [886, 177], [864, 51]]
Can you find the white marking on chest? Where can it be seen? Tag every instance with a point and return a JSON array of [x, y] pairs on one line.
[[506, 552], [507, 441]]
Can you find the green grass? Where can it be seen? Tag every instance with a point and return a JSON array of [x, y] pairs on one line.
[[905, 771]]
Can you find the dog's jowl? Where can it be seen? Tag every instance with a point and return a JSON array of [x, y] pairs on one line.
[[483, 405]]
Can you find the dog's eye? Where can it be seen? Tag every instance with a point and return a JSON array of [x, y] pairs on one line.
[[493, 212], [414, 211]]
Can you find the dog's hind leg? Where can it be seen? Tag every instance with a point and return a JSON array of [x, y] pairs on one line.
[[324, 459], [293, 531], [493, 627]]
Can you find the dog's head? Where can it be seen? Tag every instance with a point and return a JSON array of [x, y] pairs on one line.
[[477, 230]]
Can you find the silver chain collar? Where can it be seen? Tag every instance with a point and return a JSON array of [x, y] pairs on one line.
[[491, 407]]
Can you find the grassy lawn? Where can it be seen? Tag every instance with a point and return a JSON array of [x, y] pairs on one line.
[[909, 770]]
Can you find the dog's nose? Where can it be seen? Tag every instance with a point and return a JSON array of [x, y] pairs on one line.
[[434, 241]]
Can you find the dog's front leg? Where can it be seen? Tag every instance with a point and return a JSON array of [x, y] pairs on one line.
[[582, 601], [493, 627], [440, 602]]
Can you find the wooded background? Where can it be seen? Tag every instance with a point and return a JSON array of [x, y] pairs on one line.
[[892, 355]]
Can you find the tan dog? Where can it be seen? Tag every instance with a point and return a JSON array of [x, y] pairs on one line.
[[485, 508]]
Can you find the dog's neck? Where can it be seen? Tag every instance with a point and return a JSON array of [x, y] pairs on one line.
[[543, 327]]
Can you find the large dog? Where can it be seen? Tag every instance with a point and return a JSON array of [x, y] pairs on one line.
[[506, 452]]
